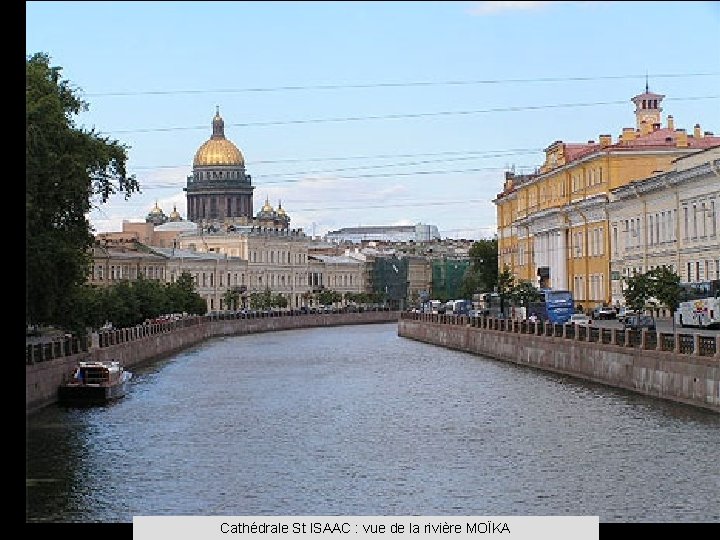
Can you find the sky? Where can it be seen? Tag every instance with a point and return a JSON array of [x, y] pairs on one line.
[[371, 113]]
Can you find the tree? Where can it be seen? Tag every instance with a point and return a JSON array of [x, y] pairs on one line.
[[665, 286], [471, 283], [279, 300], [505, 286], [484, 263], [524, 293], [637, 291], [182, 296], [232, 297], [65, 166]]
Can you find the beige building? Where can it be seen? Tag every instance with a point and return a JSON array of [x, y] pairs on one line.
[[668, 219], [338, 273], [213, 273], [277, 259], [123, 261]]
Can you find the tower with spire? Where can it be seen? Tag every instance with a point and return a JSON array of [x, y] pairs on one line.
[[648, 109]]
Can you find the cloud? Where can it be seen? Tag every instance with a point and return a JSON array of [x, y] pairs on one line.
[[492, 8]]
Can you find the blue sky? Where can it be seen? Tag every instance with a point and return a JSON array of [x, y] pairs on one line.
[[153, 73]]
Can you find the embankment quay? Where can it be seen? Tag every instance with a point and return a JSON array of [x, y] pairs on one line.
[[48, 365], [682, 367]]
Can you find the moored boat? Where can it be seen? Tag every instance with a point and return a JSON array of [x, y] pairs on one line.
[[95, 382]]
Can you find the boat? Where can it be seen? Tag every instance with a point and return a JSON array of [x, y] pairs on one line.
[[95, 382]]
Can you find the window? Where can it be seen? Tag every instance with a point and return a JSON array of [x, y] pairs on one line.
[[615, 241]]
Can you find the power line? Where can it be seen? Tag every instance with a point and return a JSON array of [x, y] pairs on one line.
[[169, 185], [392, 85], [480, 153], [398, 116]]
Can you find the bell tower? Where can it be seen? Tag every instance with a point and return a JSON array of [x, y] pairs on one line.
[[647, 110]]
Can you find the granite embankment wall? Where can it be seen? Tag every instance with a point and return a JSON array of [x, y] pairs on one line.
[[132, 346], [692, 378]]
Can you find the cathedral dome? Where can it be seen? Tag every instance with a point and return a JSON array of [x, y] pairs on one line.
[[267, 209], [218, 150], [175, 215], [156, 210]]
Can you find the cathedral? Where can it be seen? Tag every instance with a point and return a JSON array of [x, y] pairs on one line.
[[220, 192]]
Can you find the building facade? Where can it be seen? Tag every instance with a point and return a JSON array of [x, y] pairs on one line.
[[669, 219], [553, 225]]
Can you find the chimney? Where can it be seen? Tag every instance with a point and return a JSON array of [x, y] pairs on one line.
[[671, 122], [605, 140], [628, 135], [681, 139], [696, 132]]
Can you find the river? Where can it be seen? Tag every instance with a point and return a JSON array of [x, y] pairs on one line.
[[355, 420]]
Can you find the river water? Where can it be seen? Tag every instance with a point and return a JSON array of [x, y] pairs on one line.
[[355, 420]]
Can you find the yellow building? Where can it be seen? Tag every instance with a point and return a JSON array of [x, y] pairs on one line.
[[553, 224]]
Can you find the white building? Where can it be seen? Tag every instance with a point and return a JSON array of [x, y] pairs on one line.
[[385, 233], [669, 219]]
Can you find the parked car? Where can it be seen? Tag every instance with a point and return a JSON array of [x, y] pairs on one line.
[[624, 313], [604, 312], [638, 322], [580, 318]]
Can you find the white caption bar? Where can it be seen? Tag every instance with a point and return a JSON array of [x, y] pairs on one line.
[[356, 527]]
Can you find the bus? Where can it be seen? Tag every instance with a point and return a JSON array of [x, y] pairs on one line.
[[699, 304], [556, 306]]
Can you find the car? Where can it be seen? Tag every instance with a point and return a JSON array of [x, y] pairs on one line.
[[624, 313], [638, 322], [604, 312], [580, 318]]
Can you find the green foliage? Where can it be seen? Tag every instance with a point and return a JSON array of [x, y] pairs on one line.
[[638, 288], [660, 283], [523, 293], [327, 297], [484, 264], [232, 297], [64, 167], [471, 284], [505, 286], [183, 298], [665, 285], [280, 301]]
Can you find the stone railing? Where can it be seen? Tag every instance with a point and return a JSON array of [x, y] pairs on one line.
[[683, 343], [70, 345]]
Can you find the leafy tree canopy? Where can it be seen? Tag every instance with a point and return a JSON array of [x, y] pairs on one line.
[[65, 167], [484, 264]]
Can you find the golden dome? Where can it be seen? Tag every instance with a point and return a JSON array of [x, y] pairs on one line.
[[218, 150], [266, 207], [156, 210], [175, 215], [280, 210]]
